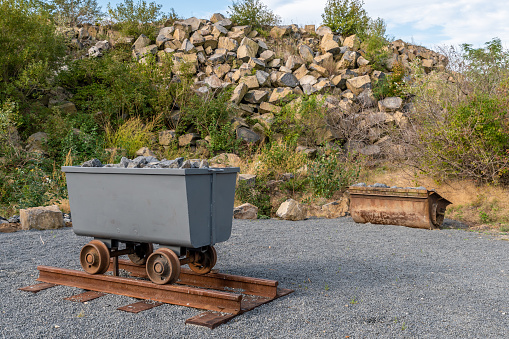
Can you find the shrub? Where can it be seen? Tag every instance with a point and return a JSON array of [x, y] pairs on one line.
[[346, 17], [73, 12], [211, 116], [118, 88], [331, 172], [252, 12], [392, 85], [258, 195], [300, 121], [138, 18], [26, 59], [460, 129], [132, 135], [76, 137], [375, 42], [280, 158]]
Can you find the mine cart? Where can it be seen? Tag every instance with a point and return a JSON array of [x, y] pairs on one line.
[[185, 211], [412, 207]]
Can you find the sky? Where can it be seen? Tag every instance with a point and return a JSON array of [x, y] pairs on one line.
[[430, 23]]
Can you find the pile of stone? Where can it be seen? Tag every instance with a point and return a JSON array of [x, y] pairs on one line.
[[150, 162], [264, 75]]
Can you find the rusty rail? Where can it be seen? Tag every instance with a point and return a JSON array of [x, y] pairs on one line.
[[234, 283], [178, 295], [237, 294]]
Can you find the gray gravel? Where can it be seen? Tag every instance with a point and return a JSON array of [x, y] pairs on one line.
[[360, 281]]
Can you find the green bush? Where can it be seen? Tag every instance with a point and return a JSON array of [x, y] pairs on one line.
[[346, 17], [211, 116], [31, 50], [375, 43], [332, 172], [252, 12], [118, 88], [258, 195], [135, 18], [77, 136], [300, 121], [280, 158], [392, 85], [74, 12], [460, 129]]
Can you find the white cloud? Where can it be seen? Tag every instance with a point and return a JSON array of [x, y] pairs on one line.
[[430, 22]]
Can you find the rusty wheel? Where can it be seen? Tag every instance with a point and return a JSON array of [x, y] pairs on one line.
[[95, 257], [205, 261], [141, 253], [163, 266]]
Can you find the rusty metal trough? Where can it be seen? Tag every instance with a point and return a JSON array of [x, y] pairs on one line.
[[412, 207]]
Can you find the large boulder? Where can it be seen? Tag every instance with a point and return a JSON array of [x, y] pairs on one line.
[[292, 210], [100, 46], [41, 218], [142, 41], [36, 142], [226, 160], [166, 137], [306, 53], [358, 84], [245, 211], [390, 104], [238, 93]]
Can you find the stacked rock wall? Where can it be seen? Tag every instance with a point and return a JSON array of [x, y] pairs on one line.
[[267, 72]]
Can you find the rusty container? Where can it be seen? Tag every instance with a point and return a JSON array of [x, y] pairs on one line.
[[418, 208]]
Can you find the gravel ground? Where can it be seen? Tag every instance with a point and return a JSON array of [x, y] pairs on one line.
[[350, 280]]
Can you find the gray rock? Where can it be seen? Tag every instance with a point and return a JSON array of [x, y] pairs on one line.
[[36, 142], [124, 162], [14, 219], [288, 80], [142, 41], [248, 179], [187, 164], [247, 135], [263, 78], [256, 96], [379, 185], [97, 50], [306, 53], [245, 211], [92, 163], [41, 218], [390, 104]]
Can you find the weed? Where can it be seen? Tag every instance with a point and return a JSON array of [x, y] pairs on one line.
[[326, 287], [132, 135], [354, 301], [504, 228], [329, 173]]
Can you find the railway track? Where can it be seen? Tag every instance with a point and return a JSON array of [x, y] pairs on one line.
[[224, 296]]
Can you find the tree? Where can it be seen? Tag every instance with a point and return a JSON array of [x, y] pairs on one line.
[[137, 18], [31, 50], [252, 12], [73, 12], [346, 17]]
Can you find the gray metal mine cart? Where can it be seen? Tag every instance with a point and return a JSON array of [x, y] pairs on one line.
[[186, 211]]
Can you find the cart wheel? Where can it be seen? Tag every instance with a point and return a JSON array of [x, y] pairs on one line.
[[141, 253], [163, 266], [207, 260], [95, 257]]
